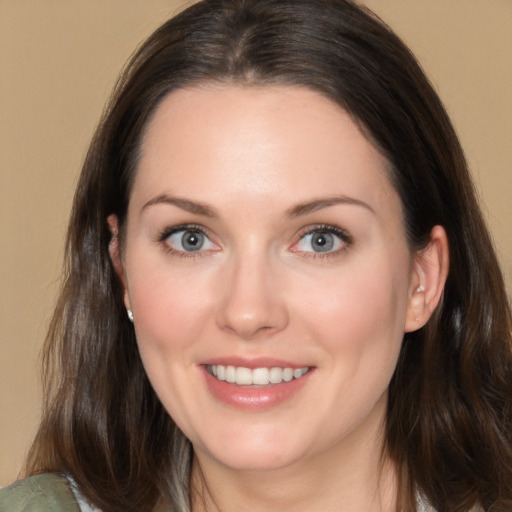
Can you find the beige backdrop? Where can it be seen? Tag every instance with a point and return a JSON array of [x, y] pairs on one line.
[[59, 60]]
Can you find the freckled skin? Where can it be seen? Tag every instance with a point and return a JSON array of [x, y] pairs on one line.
[[251, 154]]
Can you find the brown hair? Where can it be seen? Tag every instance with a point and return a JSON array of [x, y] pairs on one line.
[[449, 416]]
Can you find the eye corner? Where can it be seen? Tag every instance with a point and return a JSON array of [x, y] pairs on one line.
[[198, 242], [322, 241]]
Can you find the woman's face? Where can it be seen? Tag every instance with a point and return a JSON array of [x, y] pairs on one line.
[[266, 245]]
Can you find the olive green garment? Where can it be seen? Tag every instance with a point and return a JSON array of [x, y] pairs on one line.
[[41, 493]]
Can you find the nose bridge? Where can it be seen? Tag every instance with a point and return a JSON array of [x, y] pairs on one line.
[[251, 303]]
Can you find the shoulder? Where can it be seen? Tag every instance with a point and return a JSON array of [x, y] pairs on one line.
[[41, 493]]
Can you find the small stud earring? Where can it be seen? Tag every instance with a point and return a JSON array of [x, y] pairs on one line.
[[420, 289], [130, 315]]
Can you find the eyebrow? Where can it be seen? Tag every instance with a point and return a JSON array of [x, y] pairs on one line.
[[184, 204], [296, 211], [319, 204]]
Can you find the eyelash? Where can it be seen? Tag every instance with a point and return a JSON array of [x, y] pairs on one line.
[[341, 234], [167, 232], [345, 238]]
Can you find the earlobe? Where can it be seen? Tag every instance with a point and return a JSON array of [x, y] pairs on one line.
[[115, 253], [429, 273]]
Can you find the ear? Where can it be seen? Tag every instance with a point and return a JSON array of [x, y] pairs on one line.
[[115, 254], [429, 273]]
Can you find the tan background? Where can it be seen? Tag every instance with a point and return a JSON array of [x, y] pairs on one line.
[[59, 60]]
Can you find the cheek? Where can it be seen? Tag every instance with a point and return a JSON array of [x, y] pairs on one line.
[[359, 314], [170, 309], [171, 315]]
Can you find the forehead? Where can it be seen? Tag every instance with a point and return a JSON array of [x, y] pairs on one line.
[[258, 142]]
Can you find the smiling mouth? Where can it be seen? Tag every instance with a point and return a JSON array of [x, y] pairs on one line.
[[242, 376]]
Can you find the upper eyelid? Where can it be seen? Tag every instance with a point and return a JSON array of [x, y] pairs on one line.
[[166, 233], [336, 230], [345, 238], [171, 230], [301, 232]]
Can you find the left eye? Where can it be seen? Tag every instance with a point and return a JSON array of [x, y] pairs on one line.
[[320, 241], [189, 240]]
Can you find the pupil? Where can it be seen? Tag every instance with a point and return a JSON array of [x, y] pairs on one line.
[[323, 242], [320, 240], [192, 241]]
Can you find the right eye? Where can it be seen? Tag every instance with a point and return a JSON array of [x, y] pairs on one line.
[[323, 241], [188, 240], [320, 241]]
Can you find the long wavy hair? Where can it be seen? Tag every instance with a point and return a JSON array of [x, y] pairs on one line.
[[449, 418]]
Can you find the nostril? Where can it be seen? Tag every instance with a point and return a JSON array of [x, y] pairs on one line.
[[247, 329]]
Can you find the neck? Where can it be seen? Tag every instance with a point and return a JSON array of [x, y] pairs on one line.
[[354, 477]]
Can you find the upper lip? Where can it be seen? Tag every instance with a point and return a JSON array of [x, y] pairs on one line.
[[252, 363]]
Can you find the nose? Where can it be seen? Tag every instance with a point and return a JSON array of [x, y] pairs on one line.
[[252, 300]]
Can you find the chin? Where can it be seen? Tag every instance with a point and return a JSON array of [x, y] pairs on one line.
[[258, 453]]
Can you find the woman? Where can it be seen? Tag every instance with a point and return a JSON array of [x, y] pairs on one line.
[[280, 292]]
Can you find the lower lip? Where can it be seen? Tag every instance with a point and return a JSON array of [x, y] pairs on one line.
[[254, 398]]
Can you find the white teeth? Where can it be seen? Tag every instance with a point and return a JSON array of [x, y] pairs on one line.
[[276, 375], [220, 372], [259, 376], [243, 376], [230, 374], [288, 374]]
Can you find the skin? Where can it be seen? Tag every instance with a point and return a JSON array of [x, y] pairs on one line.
[[259, 288]]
